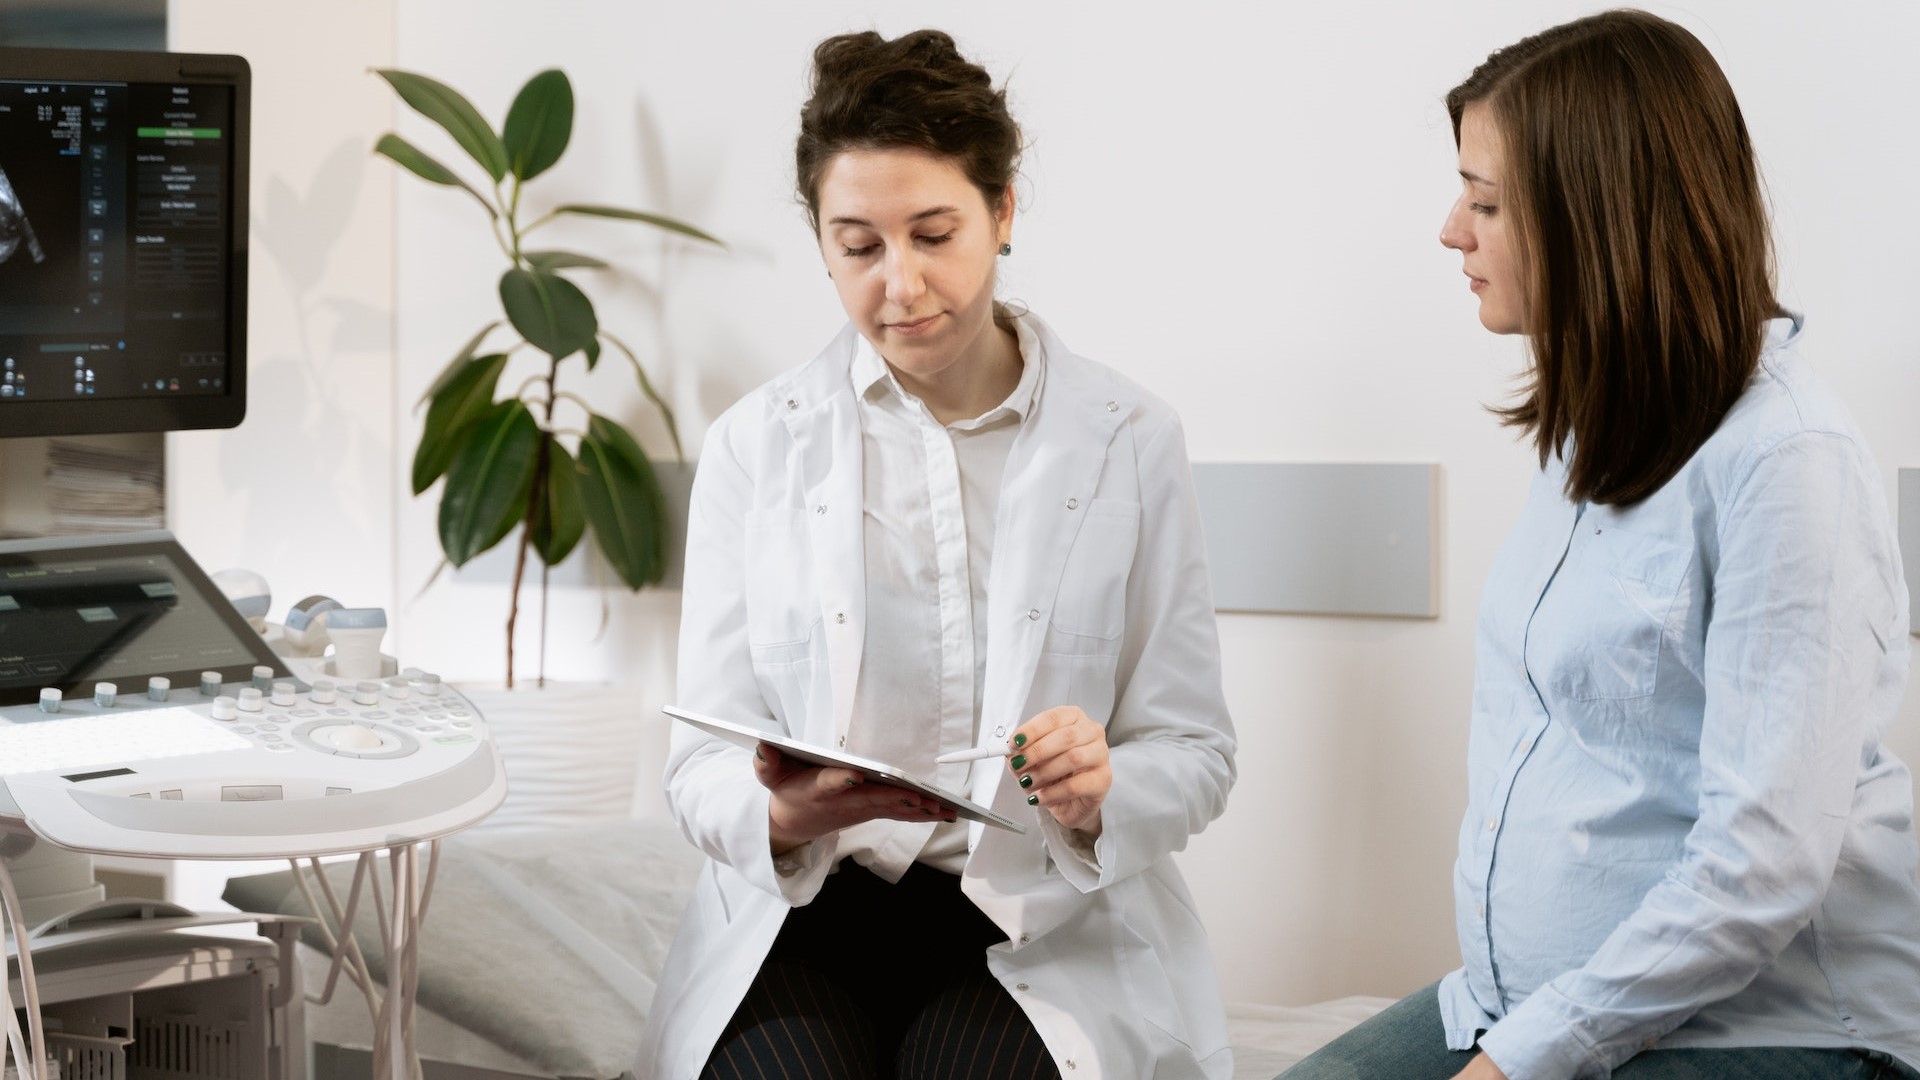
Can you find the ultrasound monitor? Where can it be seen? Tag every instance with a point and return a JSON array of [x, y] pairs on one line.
[[123, 241]]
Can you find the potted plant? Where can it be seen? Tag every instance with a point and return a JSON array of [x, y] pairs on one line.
[[539, 458]]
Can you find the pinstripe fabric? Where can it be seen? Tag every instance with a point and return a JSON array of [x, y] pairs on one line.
[[823, 1007]]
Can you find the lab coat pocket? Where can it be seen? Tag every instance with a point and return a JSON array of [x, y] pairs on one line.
[[781, 608], [1091, 606], [1196, 1027], [1625, 596]]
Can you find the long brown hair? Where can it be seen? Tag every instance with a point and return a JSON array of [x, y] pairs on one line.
[[1642, 231]]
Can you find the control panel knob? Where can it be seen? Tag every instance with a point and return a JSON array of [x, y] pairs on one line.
[[396, 687], [105, 694], [50, 699], [430, 684], [323, 692], [366, 692], [262, 677], [283, 691], [225, 708], [158, 688], [210, 683], [251, 699]]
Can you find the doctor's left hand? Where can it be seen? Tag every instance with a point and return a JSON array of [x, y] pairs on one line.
[[1480, 1068], [1060, 758]]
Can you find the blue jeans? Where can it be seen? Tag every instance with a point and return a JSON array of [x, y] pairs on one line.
[[1407, 1042]]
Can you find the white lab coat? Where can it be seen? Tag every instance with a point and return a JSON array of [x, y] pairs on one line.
[[1099, 597]]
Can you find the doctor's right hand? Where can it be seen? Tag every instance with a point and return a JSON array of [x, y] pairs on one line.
[[810, 802]]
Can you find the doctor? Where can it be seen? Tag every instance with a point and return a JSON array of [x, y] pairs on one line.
[[945, 531]]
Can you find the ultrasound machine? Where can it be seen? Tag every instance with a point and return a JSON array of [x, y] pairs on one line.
[[142, 711]]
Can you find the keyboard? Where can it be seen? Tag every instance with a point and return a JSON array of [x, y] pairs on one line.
[[79, 743]]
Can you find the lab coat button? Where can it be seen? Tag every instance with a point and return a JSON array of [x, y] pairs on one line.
[[839, 616], [1073, 504], [792, 404], [821, 509], [1112, 406], [843, 741], [1034, 614], [1070, 1063], [1020, 986], [1024, 938]]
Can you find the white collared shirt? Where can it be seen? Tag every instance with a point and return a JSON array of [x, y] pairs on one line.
[[931, 495]]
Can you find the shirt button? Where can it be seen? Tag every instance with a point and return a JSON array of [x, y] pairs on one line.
[[1073, 504], [821, 509], [792, 404], [1033, 613], [1070, 1063], [1492, 824], [1019, 986], [843, 740], [1113, 406], [1024, 938], [839, 616], [1480, 910]]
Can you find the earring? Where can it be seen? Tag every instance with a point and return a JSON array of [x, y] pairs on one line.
[[1006, 249]]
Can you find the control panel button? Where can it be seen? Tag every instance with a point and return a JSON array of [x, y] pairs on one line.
[[366, 692], [158, 688], [283, 691], [250, 792], [323, 692], [105, 694], [252, 700], [225, 708], [262, 677], [430, 684], [210, 683], [50, 699]]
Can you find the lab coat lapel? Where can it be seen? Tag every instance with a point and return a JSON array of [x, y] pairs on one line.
[[1058, 456], [819, 410]]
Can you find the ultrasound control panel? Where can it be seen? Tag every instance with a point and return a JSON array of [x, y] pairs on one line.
[[241, 763]]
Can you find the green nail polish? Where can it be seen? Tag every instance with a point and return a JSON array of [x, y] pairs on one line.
[[1033, 800], [1020, 740], [1026, 781], [1019, 761]]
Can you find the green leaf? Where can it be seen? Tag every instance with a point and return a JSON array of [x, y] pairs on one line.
[[656, 220], [426, 168], [465, 398], [558, 521], [489, 481], [548, 311], [458, 363], [562, 260], [593, 354], [539, 124], [623, 503], [444, 105], [646, 387]]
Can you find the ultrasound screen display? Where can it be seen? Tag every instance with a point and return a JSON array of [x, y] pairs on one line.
[[121, 246], [117, 613]]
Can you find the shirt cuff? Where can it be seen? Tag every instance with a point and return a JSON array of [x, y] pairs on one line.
[[801, 871], [1080, 858], [1535, 1042]]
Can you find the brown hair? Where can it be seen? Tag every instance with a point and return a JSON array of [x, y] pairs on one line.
[[915, 92], [1638, 216]]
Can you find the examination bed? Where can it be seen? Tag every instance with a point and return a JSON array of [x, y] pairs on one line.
[[541, 947]]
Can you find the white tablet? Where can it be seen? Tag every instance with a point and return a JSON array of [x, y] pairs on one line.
[[877, 772]]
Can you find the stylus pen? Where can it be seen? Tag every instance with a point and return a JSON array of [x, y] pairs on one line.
[[976, 754]]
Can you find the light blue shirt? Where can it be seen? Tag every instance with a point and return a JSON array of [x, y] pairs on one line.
[[1683, 828]]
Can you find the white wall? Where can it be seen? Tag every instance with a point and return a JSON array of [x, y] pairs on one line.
[[1234, 203], [303, 490]]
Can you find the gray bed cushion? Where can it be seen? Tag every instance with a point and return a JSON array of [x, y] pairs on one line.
[[547, 942]]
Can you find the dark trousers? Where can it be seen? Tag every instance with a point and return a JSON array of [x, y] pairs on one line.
[[875, 980]]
